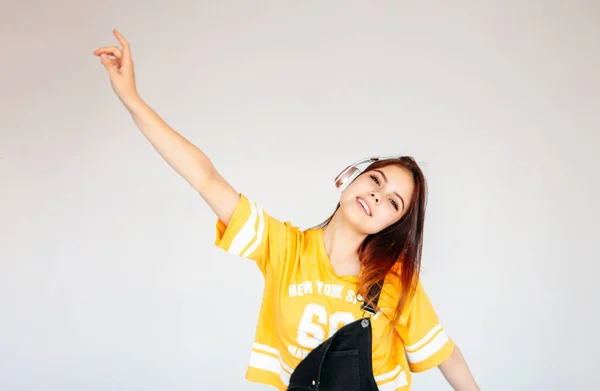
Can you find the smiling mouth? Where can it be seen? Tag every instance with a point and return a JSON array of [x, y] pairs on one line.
[[364, 206]]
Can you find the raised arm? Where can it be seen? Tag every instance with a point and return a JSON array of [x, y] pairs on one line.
[[184, 157]]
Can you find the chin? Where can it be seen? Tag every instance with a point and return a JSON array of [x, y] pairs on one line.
[[358, 221]]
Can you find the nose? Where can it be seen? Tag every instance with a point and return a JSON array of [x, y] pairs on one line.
[[375, 197]]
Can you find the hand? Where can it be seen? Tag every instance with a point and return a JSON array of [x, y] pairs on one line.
[[119, 66]]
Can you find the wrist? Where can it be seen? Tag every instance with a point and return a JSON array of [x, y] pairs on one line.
[[133, 102]]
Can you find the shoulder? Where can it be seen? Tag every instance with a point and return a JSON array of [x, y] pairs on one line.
[[393, 290]]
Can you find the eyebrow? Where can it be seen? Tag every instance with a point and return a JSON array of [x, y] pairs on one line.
[[386, 181]]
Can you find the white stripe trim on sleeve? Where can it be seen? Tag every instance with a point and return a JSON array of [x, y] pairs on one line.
[[245, 234], [426, 338], [427, 351], [259, 235]]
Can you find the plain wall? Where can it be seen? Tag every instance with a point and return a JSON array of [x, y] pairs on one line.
[[109, 278]]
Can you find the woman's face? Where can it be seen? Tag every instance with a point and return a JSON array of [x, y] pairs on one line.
[[377, 198]]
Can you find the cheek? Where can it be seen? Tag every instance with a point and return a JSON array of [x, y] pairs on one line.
[[348, 206], [345, 201], [389, 217]]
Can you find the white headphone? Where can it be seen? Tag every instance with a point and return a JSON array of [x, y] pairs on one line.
[[351, 172]]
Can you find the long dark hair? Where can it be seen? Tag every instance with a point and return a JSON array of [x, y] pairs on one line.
[[396, 249]]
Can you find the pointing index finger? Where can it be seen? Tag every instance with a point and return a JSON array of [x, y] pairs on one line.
[[121, 39], [123, 43]]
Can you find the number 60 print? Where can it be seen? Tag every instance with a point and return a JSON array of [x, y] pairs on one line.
[[311, 331]]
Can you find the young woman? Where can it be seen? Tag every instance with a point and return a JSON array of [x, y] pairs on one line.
[[343, 308]]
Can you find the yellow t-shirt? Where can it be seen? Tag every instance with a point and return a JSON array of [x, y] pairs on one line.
[[305, 302]]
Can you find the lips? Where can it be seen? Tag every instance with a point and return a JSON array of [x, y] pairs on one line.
[[364, 206]]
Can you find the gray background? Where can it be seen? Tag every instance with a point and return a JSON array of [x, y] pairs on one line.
[[109, 279]]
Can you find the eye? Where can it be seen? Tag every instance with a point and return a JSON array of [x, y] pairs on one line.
[[394, 204], [375, 179]]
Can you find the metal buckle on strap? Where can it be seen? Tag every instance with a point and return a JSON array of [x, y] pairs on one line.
[[367, 308]]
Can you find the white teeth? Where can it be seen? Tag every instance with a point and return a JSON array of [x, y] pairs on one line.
[[364, 204]]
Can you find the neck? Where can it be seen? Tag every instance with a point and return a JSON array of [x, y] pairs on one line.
[[342, 244]]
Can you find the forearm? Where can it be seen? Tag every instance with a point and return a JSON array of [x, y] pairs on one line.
[[184, 157], [457, 373]]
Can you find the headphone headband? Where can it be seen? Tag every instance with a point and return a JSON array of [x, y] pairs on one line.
[[350, 173]]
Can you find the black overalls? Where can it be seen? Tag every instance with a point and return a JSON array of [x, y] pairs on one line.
[[342, 362]]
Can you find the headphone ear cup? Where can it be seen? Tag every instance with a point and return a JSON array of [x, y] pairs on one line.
[[350, 173], [346, 177]]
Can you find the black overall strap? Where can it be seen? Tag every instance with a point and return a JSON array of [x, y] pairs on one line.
[[374, 292]]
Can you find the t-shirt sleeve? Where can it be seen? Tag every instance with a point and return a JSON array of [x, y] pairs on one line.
[[426, 343], [253, 234]]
